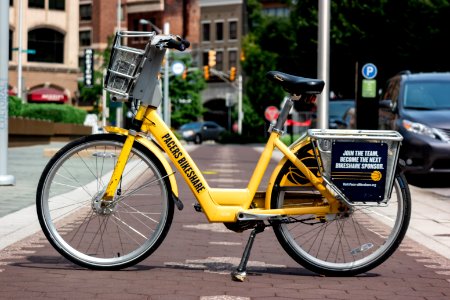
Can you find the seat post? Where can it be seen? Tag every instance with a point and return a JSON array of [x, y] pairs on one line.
[[285, 112]]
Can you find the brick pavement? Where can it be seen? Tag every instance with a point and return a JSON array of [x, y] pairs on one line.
[[196, 258]]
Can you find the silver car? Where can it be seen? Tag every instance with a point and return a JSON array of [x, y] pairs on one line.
[[198, 132]]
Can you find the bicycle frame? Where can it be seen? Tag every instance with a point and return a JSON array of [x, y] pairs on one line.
[[218, 204]]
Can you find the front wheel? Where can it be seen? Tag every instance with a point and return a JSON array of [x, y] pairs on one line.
[[89, 231], [198, 139], [347, 244]]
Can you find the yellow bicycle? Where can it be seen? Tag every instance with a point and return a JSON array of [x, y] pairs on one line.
[[337, 201]]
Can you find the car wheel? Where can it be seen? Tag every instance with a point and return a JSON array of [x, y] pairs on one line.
[[197, 139]]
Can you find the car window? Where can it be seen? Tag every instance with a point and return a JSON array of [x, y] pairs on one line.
[[427, 95], [210, 125], [190, 126], [338, 108]]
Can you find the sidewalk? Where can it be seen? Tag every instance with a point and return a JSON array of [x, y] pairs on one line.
[[18, 217]]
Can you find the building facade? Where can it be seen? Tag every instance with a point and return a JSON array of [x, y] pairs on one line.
[[221, 31], [49, 39]]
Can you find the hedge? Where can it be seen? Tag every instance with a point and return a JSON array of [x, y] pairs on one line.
[[14, 106], [60, 113]]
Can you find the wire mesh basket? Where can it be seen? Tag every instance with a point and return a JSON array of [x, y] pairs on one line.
[[125, 65], [359, 165]]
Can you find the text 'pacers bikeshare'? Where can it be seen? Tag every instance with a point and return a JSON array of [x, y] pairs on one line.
[[183, 163]]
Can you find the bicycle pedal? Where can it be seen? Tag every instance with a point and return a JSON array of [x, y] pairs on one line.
[[198, 207]]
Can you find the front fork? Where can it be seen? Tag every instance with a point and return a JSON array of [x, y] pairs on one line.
[[123, 157]]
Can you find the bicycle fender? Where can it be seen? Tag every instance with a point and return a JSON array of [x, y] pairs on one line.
[[159, 155], [304, 151]]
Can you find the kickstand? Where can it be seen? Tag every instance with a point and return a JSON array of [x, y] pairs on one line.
[[241, 272]]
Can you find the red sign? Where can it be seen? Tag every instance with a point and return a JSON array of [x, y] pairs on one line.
[[297, 123], [47, 95], [271, 113]]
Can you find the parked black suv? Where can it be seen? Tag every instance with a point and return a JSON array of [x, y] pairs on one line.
[[418, 106]]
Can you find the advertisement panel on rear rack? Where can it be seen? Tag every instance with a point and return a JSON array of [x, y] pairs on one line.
[[359, 170]]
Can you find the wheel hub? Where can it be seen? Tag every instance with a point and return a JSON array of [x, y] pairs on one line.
[[101, 206]]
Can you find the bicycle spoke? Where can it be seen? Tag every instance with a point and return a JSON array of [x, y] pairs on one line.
[[105, 234]]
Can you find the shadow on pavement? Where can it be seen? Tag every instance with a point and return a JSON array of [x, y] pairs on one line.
[[60, 263]]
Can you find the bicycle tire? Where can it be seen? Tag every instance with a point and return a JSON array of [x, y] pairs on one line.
[[347, 245], [88, 234]]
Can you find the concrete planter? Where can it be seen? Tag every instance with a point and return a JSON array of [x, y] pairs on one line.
[[66, 132], [26, 132]]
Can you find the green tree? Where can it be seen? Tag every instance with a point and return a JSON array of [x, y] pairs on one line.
[[184, 93], [261, 56], [383, 32]]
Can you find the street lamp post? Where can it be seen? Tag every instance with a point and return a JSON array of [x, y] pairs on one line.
[[4, 36], [324, 61], [119, 109], [19, 55]]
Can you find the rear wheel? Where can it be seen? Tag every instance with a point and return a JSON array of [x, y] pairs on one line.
[[348, 243], [90, 231]]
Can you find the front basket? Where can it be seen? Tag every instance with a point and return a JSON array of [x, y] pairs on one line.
[[124, 65]]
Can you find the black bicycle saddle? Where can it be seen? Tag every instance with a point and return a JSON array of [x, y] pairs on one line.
[[296, 85]]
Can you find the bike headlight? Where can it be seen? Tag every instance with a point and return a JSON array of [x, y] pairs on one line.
[[419, 128]]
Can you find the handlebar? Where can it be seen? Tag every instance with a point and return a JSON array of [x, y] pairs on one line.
[[179, 44], [171, 42]]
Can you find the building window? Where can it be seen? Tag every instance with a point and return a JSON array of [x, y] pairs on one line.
[[205, 58], [277, 11], [85, 12], [57, 4], [232, 30], [219, 60], [48, 44], [85, 38], [206, 34], [232, 58], [219, 31], [10, 44], [36, 3]]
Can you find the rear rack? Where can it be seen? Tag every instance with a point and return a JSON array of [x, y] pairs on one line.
[[357, 165]]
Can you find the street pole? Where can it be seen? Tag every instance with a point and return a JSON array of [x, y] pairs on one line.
[[104, 101], [19, 54], [4, 45], [240, 113], [166, 103], [119, 109], [324, 62]]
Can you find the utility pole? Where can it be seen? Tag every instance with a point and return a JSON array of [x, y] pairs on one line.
[[166, 103], [4, 45], [240, 112], [323, 71], [119, 109], [19, 53]]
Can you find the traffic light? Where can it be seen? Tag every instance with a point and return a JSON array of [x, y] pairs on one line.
[[206, 72], [211, 58], [184, 74], [232, 73], [242, 55]]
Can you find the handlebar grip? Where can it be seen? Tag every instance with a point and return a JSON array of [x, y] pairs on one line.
[[180, 44]]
